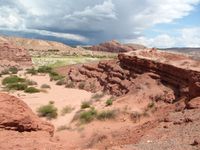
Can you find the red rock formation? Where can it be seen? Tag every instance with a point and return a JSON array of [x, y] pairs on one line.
[[16, 115], [116, 47], [121, 77], [11, 55]]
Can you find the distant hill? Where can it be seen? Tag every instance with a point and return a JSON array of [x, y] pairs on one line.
[[194, 52]]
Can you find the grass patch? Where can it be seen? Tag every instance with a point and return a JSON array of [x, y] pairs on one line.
[[55, 76], [109, 114], [49, 111], [31, 90], [44, 69], [88, 116], [85, 104], [66, 110], [109, 102]]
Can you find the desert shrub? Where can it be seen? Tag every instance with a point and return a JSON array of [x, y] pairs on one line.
[[32, 90], [31, 82], [51, 102], [88, 116], [16, 86], [31, 71], [13, 70], [66, 110], [12, 79], [81, 85], [109, 102], [45, 86], [70, 84], [44, 69], [55, 76], [109, 114], [61, 82], [49, 111], [85, 104]]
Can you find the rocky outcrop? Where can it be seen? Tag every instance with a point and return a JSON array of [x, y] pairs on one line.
[[11, 55], [121, 77], [16, 115], [116, 47]]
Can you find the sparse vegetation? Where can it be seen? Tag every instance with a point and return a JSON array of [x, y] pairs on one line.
[[88, 116], [45, 86], [135, 116], [151, 105], [31, 82], [32, 90], [44, 69], [4, 72], [108, 114], [109, 102], [31, 71], [55, 76], [49, 111], [66, 110], [85, 104]]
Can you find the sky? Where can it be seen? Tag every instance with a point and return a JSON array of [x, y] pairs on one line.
[[154, 23]]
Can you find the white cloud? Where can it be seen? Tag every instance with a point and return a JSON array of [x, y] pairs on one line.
[[187, 37], [97, 20]]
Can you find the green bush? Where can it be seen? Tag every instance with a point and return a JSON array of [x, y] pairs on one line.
[[31, 71], [109, 102], [45, 86], [55, 76], [44, 69], [32, 90], [13, 70], [109, 114], [88, 116], [66, 110], [85, 104], [98, 96], [16, 86], [49, 111], [12, 79]]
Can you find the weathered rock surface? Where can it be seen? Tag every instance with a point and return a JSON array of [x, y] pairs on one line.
[[121, 77], [12, 55], [116, 47], [16, 115]]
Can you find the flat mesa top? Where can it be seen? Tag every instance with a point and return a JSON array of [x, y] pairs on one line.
[[176, 59]]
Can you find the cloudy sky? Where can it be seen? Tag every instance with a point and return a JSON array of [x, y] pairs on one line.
[[155, 23]]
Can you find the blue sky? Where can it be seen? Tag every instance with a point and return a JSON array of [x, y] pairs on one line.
[[154, 23]]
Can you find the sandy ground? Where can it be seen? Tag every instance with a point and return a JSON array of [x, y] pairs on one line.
[[59, 94]]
